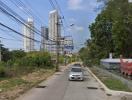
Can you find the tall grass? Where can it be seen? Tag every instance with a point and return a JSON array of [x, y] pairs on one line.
[[25, 64]]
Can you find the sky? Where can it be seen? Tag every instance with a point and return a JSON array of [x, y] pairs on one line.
[[81, 13]]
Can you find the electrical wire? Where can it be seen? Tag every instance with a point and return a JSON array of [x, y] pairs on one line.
[[52, 4], [59, 9], [18, 18], [7, 27], [26, 9], [10, 39], [7, 32]]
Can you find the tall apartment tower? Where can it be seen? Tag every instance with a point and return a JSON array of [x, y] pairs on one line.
[[28, 31], [44, 38], [54, 28]]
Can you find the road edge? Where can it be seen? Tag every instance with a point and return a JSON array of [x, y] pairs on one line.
[[106, 89]]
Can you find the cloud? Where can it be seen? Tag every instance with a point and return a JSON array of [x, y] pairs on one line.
[[85, 5], [75, 4]]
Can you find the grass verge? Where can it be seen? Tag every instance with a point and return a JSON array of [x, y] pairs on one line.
[[111, 82], [13, 87], [8, 84]]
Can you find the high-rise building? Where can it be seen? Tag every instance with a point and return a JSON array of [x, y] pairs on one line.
[[44, 38], [28, 32], [54, 28]]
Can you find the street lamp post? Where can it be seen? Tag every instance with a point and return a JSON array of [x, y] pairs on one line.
[[58, 43]]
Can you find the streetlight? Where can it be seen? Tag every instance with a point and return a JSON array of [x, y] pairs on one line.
[[72, 24]]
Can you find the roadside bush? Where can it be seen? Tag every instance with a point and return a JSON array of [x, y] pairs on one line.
[[17, 54], [61, 59], [36, 59], [10, 63], [2, 71], [23, 64]]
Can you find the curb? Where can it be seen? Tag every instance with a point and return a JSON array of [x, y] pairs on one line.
[[106, 89]]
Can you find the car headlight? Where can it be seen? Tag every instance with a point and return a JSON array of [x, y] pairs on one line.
[[81, 75], [70, 75]]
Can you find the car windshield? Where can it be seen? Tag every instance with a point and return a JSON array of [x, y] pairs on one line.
[[77, 65], [76, 70]]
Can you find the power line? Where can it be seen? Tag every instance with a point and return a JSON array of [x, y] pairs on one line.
[[17, 32], [18, 18], [10, 39], [26, 9], [37, 13], [58, 6], [52, 4], [4, 30], [61, 12], [7, 31], [21, 34], [59, 9]]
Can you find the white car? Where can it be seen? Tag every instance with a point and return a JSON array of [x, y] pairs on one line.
[[76, 73]]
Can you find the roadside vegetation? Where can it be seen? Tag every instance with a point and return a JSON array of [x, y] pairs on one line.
[[15, 86], [111, 82], [20, 71], [20, 63], [115, 84], [110, 33]]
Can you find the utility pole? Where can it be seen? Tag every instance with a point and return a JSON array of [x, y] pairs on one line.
[[57, 45], [57, 53]]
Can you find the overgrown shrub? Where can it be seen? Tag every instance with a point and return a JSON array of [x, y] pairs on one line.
[[2, 71], [23, 64], [17, 54], [36, 59], [61, 59]]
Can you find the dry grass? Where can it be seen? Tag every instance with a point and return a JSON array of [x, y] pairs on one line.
[[12, 88]]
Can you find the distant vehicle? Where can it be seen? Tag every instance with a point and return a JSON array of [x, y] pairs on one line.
[[76, 73], [77, 65]]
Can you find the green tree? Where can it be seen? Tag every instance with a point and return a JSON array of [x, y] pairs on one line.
[[5, 53], [17, 54], [111, 32]]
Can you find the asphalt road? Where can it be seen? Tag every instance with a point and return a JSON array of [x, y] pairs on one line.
[[59, 88]]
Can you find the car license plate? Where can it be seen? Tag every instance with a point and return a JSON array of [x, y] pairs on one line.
[[76, 77]]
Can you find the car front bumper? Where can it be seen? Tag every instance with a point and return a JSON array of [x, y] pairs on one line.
[[76, 78]]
